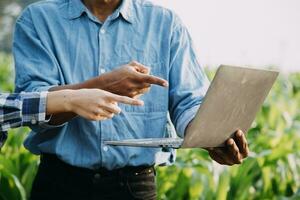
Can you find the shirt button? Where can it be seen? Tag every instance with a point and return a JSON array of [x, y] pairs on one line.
[[105, 148], [102, 71], [97, 176], [102, 31], [33, 121]]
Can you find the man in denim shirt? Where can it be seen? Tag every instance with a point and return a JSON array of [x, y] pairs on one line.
[[73, 44]]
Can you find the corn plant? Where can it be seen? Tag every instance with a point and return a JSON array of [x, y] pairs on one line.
[[17, 168]]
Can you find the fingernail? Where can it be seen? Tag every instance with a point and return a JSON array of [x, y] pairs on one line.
[[165, 84], [139, 102], [239, 133]]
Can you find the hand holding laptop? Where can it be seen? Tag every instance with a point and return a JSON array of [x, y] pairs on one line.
[[235, 150]]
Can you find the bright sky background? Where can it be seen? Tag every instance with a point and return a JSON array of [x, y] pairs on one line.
[[257, 33]]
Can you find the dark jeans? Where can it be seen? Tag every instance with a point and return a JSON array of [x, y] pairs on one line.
[[57, 180]]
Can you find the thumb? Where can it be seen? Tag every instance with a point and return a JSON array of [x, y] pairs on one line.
[[140, 68]]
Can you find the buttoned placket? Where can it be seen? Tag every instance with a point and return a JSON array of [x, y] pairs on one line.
[[101, 38], [102, 35], [103, 31]]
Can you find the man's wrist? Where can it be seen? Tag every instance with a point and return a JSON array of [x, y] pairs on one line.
[[94, 83], [100, 82]]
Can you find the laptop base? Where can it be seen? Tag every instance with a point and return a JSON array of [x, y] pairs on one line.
[[149, 142]]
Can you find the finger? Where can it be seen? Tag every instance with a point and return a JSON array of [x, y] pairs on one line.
[[140, 68], [220, 153], [103, 113], [95, 117], [216, 157], [101, 118], [223, 153], [112, 108], [241, 141], [154, 80], [143, 85], [126, 100], [143, 88], [144, 91], [137, 96], [233, 152]]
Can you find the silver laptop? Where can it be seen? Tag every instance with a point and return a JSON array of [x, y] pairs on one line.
[[231, 103]]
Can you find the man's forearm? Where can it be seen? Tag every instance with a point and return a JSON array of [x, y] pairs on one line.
[[89, 84]]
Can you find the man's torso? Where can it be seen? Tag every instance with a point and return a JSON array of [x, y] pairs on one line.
[[83, 48]]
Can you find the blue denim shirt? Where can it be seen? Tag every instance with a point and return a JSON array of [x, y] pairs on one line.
[[60, 42]]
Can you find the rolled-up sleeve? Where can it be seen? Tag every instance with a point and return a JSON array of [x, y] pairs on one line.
[[188, 81], [36, 67]]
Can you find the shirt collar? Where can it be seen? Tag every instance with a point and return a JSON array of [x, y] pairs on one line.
[[126, 10], [77, 8]]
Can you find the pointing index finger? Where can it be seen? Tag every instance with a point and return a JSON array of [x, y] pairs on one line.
[[154, 80], [126, 100]]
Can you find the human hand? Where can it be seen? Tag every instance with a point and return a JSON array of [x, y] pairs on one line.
[[235, 150], [96, 104], [130, 80]]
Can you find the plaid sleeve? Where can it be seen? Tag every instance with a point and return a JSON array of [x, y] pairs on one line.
[[3, 137], [22, 109], [34, 108]]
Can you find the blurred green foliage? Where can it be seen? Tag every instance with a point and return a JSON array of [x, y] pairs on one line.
[[9, 11], [6, 73], [17, 167], [272, 170]]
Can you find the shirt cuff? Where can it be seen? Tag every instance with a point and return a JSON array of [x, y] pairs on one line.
[[34, 108], [185, 119], [45, 123]]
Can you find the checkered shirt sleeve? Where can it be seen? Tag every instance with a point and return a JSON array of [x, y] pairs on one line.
[[21, 110]]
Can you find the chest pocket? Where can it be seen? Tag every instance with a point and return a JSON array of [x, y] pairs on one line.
[[156, 100]]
